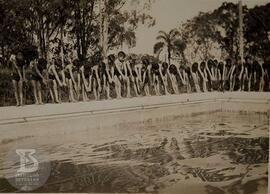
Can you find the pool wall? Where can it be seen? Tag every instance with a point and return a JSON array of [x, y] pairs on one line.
[[70, 118]]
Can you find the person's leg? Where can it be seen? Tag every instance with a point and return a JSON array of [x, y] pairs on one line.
[[134, 84], [204, 86], [175, 85], [156, 85], [146, 89], [83, 93], [55, 91], [138, 85], [261, 85], [128, 88], [50, 85], [95, 86], [20, 84], [15, 86], [249, 84], [71, 91], [39, 94], [108, 90], [166, 85], [34, 85], [118, 88]]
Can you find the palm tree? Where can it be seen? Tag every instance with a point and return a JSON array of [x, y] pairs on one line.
[[171, 41]]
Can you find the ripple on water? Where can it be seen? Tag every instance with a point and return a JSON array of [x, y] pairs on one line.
[[227, 155]]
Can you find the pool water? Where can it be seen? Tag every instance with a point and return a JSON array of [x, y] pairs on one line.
[[215, 153]]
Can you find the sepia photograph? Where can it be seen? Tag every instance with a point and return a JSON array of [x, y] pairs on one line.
[[135, 96]]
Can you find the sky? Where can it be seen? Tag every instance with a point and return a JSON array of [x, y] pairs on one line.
[[170, 14]]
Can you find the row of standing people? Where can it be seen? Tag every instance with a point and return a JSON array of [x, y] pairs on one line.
[[127, 76]]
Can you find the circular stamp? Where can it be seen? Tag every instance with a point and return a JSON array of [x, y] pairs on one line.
[[27, 167]]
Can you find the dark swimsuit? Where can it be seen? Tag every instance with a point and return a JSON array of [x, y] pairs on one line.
[[87, 70], [102, 72], [15, 75], [58, 68], [34, 74], [173, 70]]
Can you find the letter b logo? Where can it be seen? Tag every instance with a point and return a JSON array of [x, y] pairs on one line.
[[28, 163]]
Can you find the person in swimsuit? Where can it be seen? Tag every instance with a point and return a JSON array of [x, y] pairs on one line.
[[227, 75], [164, 72], [132, 75], [195, 77], [266, 70], [138, 70], [76, 71], [96, 81], [211, 69], [18, 76], [258, 77], [221, 75], [54, 70], [121, 74], [115, 76], [121, 65], [238, 71], [184, 78], [85, 71], [203, 76], [248, 74], [188, 78], [70, 79], [37, 69], [146, 71], [105, 78], [156, 77], [173, 73]]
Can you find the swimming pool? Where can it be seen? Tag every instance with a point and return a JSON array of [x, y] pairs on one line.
[[221, 150]]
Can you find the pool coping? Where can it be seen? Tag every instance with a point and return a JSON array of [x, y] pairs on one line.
[[228, 101]]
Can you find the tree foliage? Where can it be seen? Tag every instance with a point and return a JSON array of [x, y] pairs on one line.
[[71, 25], [219, 30]]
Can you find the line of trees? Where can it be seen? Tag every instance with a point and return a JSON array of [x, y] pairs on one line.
[[216, 34], [55, 27]]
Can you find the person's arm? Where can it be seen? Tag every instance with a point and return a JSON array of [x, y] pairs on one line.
[[97, 76], [125, 64], [23, 72], [89, 87], [64, 77], [130, 72], [180, 75], [112, 70], [56, 75], [223, 72], [119, 70], [241, 73], [209, 72], [162, 77], [108, 74], [39, 73], [170, 76], [83, 78], [139, 72], [232, 72], [144, 77], [79, 81]]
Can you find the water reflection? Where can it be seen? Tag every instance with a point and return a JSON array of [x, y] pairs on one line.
[[227, 155]]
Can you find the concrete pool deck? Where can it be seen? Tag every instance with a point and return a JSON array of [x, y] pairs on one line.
[[189, 103]]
